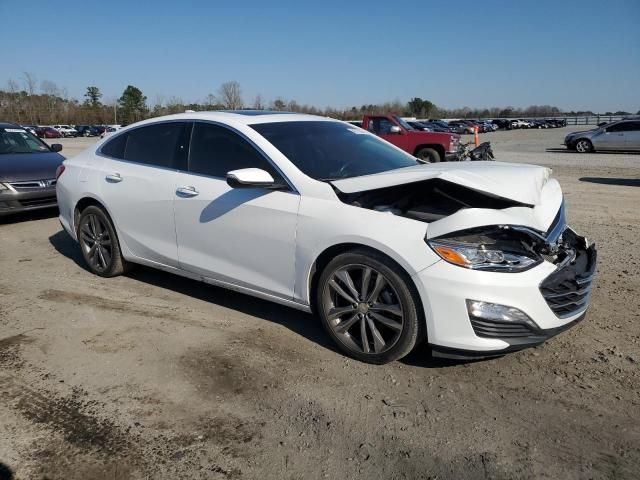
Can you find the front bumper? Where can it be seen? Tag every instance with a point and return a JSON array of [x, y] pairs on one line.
[[554, 297], [15, 202]]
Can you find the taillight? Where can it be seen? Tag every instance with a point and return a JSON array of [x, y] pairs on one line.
[[59, 171]]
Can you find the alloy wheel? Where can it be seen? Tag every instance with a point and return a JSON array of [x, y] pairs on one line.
[[96, 242], [583, 146], [363, 309]]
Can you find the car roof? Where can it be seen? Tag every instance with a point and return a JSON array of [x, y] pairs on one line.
[[246, 117]]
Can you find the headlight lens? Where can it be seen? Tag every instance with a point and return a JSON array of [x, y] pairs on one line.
[[479, 257]]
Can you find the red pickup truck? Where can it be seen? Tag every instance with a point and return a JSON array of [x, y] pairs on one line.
[[428, 146]]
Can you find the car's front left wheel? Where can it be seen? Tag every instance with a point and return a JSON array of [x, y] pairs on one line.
[[367, 305], [99, 243]]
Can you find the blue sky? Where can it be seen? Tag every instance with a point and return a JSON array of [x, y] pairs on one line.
[[573, 54]]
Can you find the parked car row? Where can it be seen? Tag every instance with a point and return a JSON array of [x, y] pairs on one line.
[[483, 126], [60, 131]]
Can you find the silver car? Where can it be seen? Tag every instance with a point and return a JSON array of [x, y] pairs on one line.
[[623, 135]]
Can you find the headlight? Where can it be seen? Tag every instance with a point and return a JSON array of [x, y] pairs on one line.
[[479, 256], [3, 187]]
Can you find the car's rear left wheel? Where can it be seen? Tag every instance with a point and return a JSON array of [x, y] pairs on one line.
[[99, 243], [367, 306]]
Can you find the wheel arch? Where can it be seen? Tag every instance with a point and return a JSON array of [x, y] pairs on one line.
[[83, 203], [324, 257]]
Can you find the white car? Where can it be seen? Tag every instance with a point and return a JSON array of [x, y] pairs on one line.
[[66, 130], [322, 216]]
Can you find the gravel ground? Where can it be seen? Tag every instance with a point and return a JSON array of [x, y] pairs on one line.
[[153, 376]]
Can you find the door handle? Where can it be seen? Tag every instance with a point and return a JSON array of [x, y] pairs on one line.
[[113, 178], [187, 191]]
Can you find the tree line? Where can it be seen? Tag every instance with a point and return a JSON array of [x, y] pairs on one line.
[[44, 103]]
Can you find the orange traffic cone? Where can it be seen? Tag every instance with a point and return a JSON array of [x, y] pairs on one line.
[[476, 140]]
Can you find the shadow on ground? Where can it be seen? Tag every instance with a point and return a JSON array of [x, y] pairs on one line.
[[5, 472], [608, 152], [301, 323], [621, 182], [27, 217]]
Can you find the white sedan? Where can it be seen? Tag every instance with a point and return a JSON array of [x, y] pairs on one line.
[[319, 215]]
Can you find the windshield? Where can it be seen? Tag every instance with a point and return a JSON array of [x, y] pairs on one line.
[[333, 150], [17, 140], [402, 122]]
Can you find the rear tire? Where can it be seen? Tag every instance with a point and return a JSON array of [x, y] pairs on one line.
[[369, 307], [429, 155], [99, 243], [584, 146]]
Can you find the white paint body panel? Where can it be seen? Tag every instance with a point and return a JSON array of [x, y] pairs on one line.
[[264, 242]]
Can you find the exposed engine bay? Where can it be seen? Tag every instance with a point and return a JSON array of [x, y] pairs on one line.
[[426, 201]]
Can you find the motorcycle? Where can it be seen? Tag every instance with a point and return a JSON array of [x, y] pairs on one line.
[[483, 152]]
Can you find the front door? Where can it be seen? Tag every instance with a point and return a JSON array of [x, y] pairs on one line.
[[244, 236]]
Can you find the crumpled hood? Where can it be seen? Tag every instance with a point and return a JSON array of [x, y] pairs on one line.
[[515, 181]]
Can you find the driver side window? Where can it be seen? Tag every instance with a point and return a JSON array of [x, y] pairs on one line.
[[380, 126], [216, 150]]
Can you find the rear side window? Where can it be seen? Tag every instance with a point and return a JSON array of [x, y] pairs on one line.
[[160, 145], [115, 147], [217, 150], [621, 127]]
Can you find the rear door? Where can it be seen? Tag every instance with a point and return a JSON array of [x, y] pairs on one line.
[[138, 185], [243, 236]]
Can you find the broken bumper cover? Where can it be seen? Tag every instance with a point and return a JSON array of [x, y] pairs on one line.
[[553, 298]]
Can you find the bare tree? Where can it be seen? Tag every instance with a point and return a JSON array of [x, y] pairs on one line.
[[230, 95], [30, 84], [258, 102], [14, 106], [52, 96], [210, 101]]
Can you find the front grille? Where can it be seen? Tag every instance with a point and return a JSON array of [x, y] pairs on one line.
[[493, 329], [567, 290], [32, 202], [31, 185]]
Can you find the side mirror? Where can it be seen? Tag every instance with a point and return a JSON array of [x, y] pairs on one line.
[[56, 147], [395, 129], [249, 178]]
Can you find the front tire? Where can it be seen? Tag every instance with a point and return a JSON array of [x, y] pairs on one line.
[[428, 155], [368, 306], [99, 243], [584, 146]]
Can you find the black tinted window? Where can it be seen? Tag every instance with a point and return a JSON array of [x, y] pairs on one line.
[[160, 144], [330, 150], [217, 150], [622, 127], [115, 147]]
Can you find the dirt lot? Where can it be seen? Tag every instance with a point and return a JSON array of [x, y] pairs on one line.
[[154, 376]]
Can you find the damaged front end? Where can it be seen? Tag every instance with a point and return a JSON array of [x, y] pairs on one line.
[[426, 201], [509, 248]]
